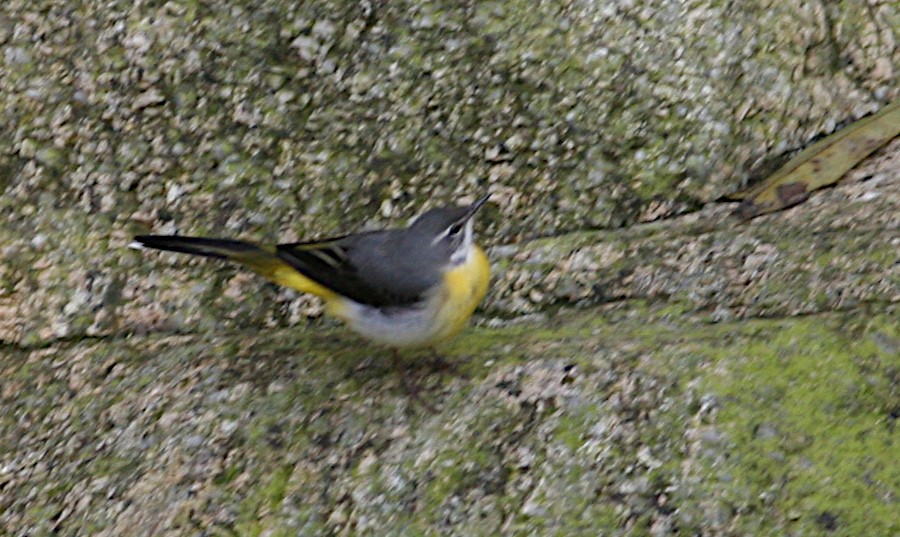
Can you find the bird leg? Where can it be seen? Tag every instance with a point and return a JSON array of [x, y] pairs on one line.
[[439, 364], [412, 388]]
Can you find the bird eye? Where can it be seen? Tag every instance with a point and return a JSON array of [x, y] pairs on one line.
[[454, 229]]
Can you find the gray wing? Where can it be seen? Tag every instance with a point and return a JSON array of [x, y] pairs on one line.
[[376, 269]]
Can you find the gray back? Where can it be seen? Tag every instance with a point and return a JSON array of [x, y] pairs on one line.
[[389, 268]]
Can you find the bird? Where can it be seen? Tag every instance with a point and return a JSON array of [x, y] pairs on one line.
[[410, 287]]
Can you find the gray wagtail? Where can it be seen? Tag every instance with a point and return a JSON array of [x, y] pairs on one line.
[[411, 287]]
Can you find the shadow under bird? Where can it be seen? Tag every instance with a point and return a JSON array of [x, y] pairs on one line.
[[411, 287]]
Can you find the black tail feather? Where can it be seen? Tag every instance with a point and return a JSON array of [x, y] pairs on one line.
[[218, 248]]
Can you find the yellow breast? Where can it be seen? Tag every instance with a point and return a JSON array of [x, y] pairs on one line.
[[464, 288]]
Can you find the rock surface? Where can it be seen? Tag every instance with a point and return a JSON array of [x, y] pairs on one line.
[[645, 364]]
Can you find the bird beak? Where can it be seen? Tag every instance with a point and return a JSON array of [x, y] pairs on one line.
[[477, 205]]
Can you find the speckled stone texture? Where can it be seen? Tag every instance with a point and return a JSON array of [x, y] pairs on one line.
[[645, 363]]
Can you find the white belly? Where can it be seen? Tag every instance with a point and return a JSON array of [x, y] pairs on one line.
[[411, 327]]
